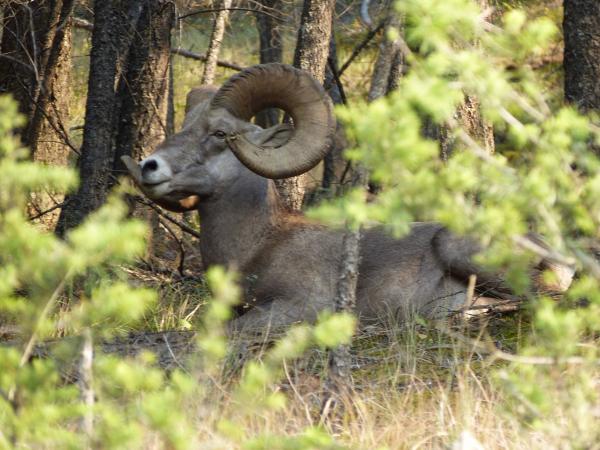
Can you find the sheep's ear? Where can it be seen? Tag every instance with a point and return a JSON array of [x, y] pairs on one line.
[[199, 95], [274, 136]]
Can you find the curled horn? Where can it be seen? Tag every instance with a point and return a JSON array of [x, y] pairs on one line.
[[299, 95]]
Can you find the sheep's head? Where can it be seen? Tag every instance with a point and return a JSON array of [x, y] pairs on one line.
[[204, 158]]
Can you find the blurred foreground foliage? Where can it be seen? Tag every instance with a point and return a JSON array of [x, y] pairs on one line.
[[137, 405], [544, 178]]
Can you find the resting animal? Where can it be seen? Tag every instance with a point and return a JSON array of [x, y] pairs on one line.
[[223, 165]]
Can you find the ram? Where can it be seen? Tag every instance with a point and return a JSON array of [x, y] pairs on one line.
[[223, 165]]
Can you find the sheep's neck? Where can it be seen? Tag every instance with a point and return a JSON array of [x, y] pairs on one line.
[[235, 227]]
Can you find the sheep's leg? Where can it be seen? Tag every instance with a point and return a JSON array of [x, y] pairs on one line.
[[456, 253], [275, 315]]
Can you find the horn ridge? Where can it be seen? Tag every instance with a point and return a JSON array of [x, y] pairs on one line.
[[276, 85]]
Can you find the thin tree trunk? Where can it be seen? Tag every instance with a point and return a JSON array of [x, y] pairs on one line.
[[271, 50], [312, 47], [312, 50], [143, 101], [334, 164], [85, 382], [143, 89], [581, 27], [216, 38], [171, 100], [339, 380], [468, 116], [340, 376], [388, 66], [469, 113], [35, 69]]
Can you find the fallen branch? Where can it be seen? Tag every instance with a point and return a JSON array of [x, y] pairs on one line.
[[170, 347]]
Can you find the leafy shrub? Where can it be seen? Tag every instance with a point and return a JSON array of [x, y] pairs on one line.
[[544, 177], [135, 404]]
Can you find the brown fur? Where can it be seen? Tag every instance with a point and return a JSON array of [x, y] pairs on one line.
[[289, 265]]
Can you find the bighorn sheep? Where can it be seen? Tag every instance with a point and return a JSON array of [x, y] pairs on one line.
[[222, 165]]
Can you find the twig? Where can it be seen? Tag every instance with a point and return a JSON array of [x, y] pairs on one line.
[[34, 336], [202, 57], [49, 210], [83, 24], [86, 25], [16, 61], [211, 10], [338, 82], [179, 244], [85, 383], [167, 216], [359, 48], [546, 253], [175, 359]]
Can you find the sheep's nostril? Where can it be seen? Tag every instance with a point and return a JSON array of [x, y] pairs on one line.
[[149, 166]]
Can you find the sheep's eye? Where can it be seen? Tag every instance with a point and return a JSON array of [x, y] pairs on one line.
[[220, 134]]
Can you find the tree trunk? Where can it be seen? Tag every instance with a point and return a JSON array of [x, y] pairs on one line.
[[96, 159], [143, 101], [130, 43], [35, 69], [334, 163], [312, 50], [468, 116], [271, 49], [388, 67], [143, 89], [340, 376], [216, 38], [581, 27]]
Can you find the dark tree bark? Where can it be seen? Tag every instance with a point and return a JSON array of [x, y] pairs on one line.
[[581, 27], [95, 162], [171, 100], [271, 49], [35, 59], [334, 163], [312, 50], [389, 63], [130, 50], [143, 90], [143, 100]]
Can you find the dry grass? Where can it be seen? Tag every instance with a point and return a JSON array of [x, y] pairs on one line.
[[415, 387]]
